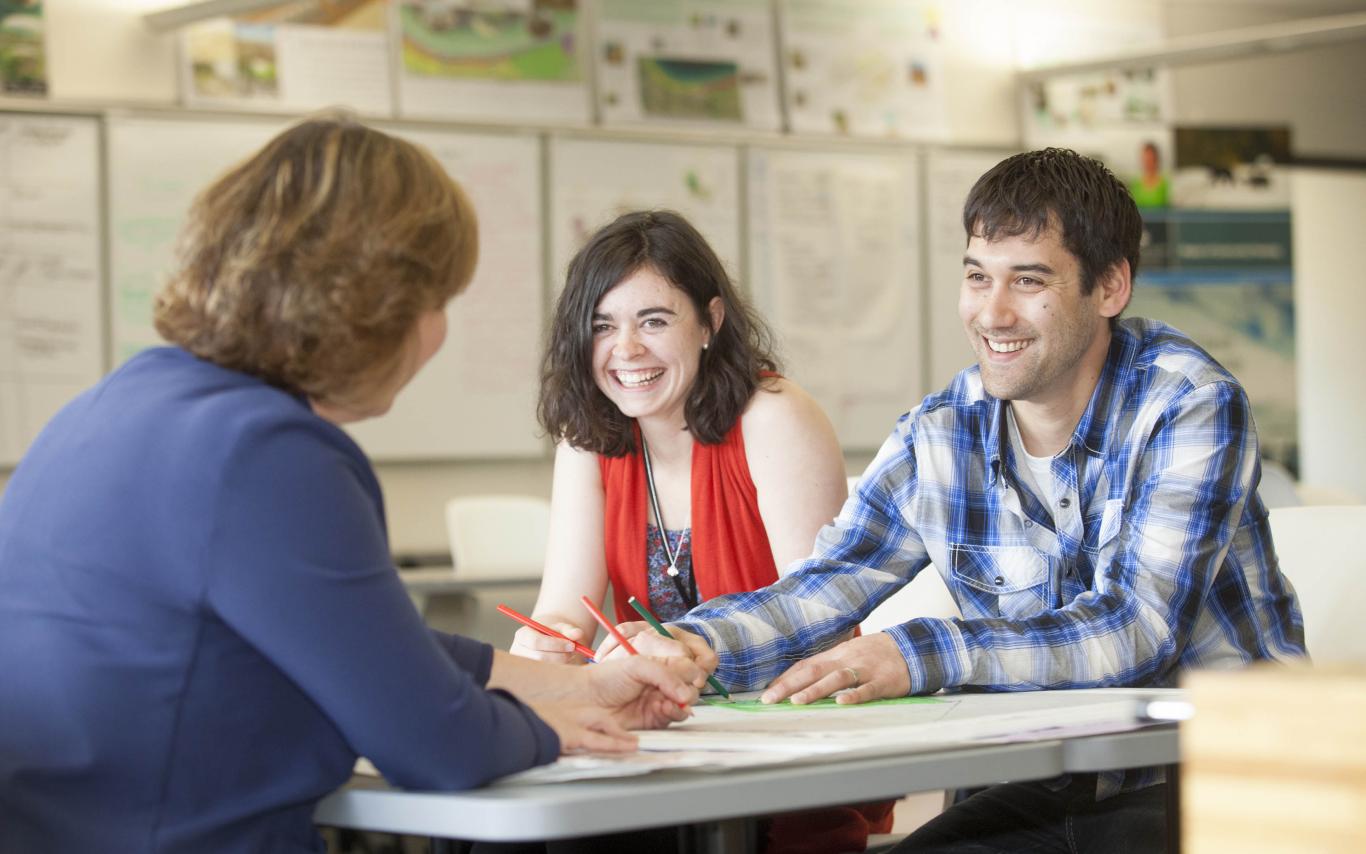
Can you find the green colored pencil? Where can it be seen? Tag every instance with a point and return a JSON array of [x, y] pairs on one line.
[[659, 627]]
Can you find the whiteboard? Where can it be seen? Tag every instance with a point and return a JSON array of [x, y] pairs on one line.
[[835, 258], [592, 182], [466, 402], [155, 168], [949, 177], [51, 334], [477, 396]]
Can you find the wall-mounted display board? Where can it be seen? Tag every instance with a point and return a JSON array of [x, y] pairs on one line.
[[864, 67], [835, 254], [949, 175], [157, 165], [51, 334], [592, 182], [155, 168], [497, 60], [295, 56], [708, 63], [477, 397]]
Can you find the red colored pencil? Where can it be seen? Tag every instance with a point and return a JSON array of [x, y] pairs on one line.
[[606, 624], [545, 630]]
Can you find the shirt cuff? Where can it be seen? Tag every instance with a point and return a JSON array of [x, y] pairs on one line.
[[935, 652]]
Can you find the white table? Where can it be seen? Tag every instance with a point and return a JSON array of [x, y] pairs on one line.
[[723, 806]]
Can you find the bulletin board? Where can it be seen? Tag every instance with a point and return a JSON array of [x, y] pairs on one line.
[[476, 397], [51, 328], [835, 263]]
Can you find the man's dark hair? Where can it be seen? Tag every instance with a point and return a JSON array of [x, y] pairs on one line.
[[1027, 193], [574, 409]]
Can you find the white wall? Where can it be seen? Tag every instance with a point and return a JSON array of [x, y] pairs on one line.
[[1330, 303], [1318, 92]]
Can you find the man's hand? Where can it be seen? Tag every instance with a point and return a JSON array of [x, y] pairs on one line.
[[648, 642], [865, 668]]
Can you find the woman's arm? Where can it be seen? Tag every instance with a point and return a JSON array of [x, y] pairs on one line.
[[797, 467], [575, 564]]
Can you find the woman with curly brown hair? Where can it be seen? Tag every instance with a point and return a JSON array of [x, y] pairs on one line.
[[200, 626], [687, 467]]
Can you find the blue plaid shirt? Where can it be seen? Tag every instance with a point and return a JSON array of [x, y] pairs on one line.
[[1155, 555]]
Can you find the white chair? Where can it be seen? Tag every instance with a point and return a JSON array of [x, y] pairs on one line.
[[498, 537], [1320, 551], [1278, 487]]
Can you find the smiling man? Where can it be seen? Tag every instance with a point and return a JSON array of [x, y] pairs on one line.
[[1087, 491]]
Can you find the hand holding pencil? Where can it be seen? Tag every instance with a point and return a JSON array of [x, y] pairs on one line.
[[648, 641]]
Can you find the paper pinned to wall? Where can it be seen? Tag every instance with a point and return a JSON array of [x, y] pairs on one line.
[[835, 260], [707, 63], [864, 67], [156, 167], [297, 56], [949, 177], [498, 60], [51, 334], [594, 182], [477, 397]]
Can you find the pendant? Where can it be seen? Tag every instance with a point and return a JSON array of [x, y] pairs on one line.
[[672, 571]]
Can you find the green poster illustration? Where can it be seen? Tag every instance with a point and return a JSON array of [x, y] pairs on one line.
[[23, 61]]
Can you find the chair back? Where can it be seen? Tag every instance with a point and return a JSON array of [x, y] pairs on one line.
[[498, 537], [1320, 550]]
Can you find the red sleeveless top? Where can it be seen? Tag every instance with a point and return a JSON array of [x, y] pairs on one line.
[[730, 548], [730, 554]]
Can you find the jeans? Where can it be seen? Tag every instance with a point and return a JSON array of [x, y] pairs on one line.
[[1029, 817]]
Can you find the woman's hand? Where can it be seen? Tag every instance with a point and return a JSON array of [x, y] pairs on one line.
[[607, 700], [529, 643], [648, 642], [582, 728]]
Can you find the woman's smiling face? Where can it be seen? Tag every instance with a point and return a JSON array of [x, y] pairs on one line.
[[647, 346]]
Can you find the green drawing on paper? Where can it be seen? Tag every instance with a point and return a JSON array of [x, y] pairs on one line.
[[754, 705]]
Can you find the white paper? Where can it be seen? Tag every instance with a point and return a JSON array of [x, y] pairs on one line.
[[864, 67], [704, 63], [498, 60], [51, 334], [835, 259], [594, 182]]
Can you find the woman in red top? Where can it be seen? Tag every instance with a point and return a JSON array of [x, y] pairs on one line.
[[686, 467]]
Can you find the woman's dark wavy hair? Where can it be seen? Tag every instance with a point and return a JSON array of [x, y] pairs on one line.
[[1027, 193], [572, 408]]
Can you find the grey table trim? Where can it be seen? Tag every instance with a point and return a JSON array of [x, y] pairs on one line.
[[509, 813]]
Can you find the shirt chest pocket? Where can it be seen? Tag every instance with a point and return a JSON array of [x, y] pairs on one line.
[[999, 581]]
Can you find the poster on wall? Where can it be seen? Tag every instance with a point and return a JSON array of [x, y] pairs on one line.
[[864, 67], [1224, 278], [707, 63], [294, 56], [51, 330], [492, 60], [594, 181], [1119, 116], [1232, 168], [23, 56], [835, 258]]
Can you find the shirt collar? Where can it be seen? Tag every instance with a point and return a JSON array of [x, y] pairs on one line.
[[1095, 420]]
